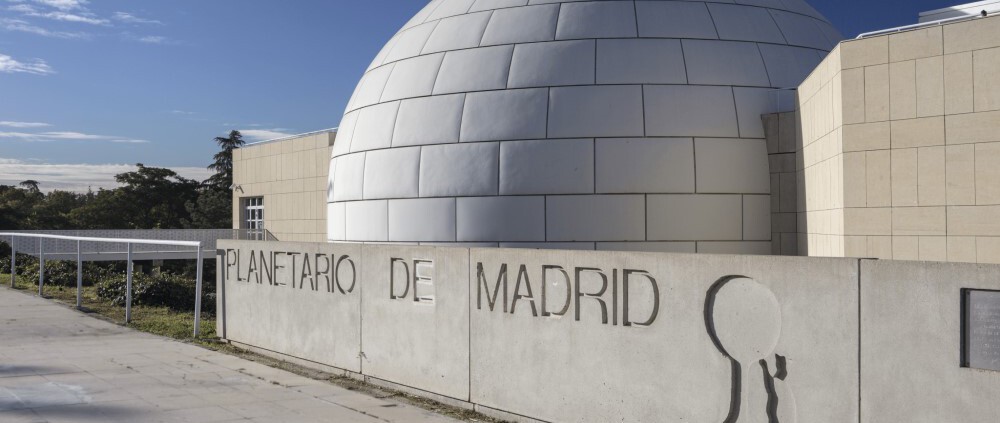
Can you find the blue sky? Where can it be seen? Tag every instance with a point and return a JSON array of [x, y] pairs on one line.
[[87, 87]]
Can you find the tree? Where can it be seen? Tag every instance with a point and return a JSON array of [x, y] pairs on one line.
[[154, 198], [53, 211], [149, 198], [212, 210], [31, 185], [223, 165], [100, 211], [15, 207], [213, 207]]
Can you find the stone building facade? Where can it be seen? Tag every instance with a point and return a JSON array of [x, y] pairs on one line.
[[280, 186], [899, 150]]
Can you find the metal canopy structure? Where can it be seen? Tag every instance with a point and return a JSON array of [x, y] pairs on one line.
[[115, 246], [110, 245]]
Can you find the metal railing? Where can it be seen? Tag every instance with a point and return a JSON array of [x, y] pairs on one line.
[[116, 251], [254, 235], [289, 137], [79, 240], [928, 24]]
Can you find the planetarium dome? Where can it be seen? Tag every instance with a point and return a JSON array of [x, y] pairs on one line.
[[611, 125]]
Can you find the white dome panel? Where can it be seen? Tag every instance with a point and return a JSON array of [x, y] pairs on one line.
[[552, 64], [447, 8], [640, 61], [596, 19], [374, 127], [745, 23], [457, 33], [481, 5], [712, 62], [647, 165], [443, 111], [522, 25], [544, 166], [460, 170], [587, 124], [479, 69], [690, 111], [513, 219], [505, 115], [436, 217], [675, 19]]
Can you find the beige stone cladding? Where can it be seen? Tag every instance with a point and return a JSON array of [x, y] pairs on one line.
[[782, 131], [900, 154], [819, 156], [291, 176]]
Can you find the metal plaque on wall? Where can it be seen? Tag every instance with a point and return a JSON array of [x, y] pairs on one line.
[[981, 329]]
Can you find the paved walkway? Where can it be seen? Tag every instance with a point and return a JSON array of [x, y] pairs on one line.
[[57, 365]]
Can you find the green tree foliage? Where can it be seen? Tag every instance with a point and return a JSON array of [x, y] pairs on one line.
[[214, 206], [223, 165], [30, 185], [212, 210], [148, 198]]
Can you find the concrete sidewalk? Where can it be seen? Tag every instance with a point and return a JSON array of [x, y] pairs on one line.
[[58, 365]]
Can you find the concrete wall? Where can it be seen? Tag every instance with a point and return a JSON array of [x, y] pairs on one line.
[[576, 336], [900, 147], [269, 303], [910, 337], [597, 363], [291, 174]]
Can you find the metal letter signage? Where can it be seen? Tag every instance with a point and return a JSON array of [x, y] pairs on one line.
[[606, 299], [421, 285], [303, 271], [981, 329]]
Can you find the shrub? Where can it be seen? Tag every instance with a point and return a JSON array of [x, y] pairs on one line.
[[26, 265], [57, 273], [165, 289]]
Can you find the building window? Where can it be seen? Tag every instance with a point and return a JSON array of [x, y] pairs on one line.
[[253, 217]]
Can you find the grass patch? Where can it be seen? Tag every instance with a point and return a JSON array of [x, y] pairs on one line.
[[156, 320]]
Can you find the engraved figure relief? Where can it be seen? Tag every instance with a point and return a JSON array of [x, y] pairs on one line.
[[743, 319]]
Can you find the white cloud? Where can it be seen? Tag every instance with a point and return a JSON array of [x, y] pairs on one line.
[[11, 124], [67, 136], [77, 177], [148, 39], [152, 39], [64, 4], [62, 14], [182, 112], [22, 26], [249, 125], [72, 136], [70, 17], [263, 134], [34, 66], [23, 8], [130, 18]]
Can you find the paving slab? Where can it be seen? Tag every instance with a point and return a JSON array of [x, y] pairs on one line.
[[60, 365]]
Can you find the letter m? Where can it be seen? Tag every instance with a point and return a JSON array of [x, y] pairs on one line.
[[482, 283]]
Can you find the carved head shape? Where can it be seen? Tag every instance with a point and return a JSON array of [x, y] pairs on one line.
[[743, 318]]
